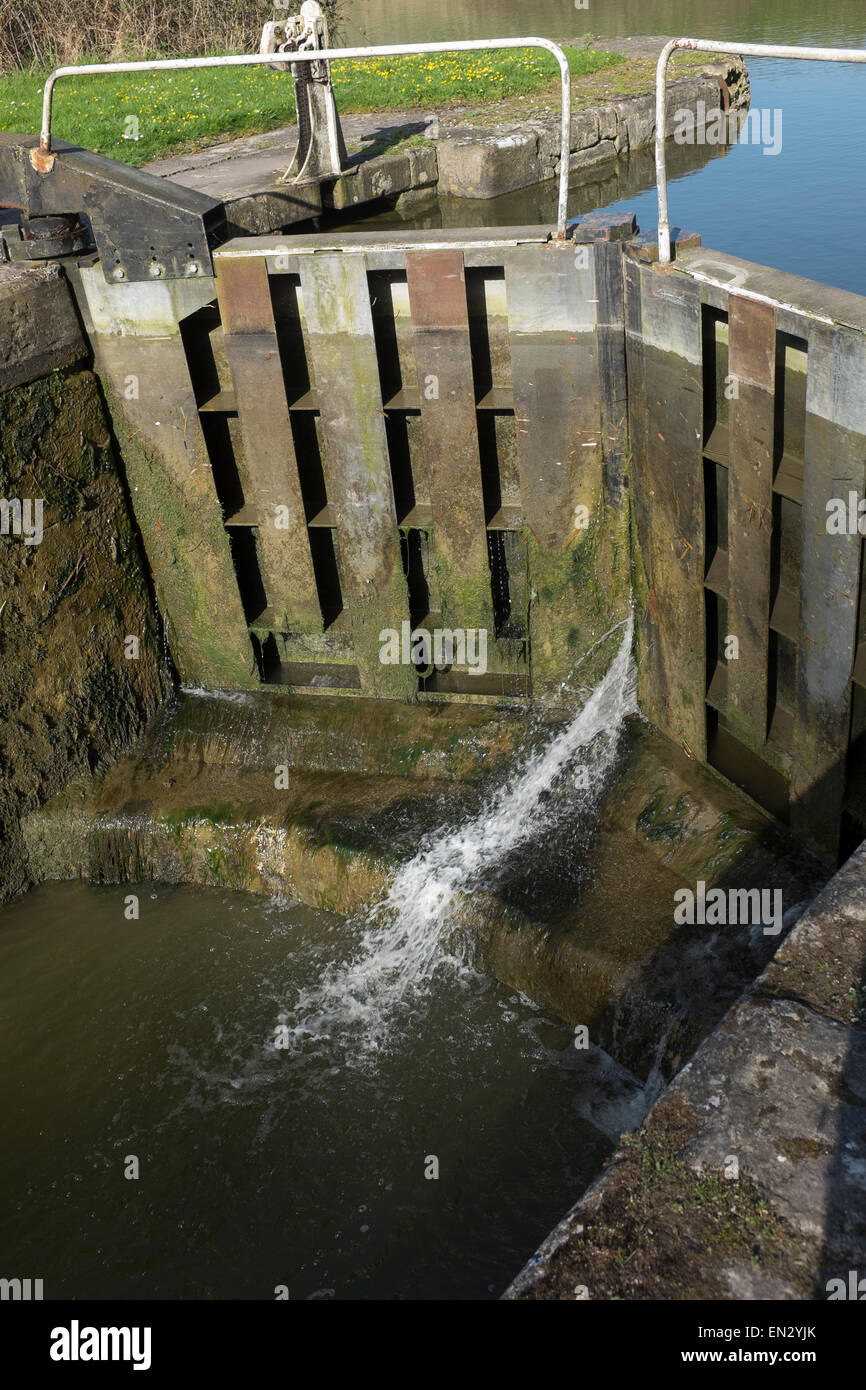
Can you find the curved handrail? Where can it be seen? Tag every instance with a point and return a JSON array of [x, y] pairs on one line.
[[43, 160]]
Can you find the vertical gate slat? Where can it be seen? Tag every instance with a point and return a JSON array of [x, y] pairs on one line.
[[646, 615], [834, 454], [440, 328], [554, 357], [751, 365], [177, 508], [555, 375], [612, 369], [667, 401], [272, 468], [342, 347]]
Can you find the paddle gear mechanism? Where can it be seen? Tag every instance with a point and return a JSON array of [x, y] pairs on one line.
[[321, 151]]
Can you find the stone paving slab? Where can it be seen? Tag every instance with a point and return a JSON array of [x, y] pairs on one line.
[[784, 1092]]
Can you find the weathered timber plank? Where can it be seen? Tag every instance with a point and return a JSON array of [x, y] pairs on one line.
[[666, 408], [269, 453], [609, 262], [554, 363], [751, 365], [551, 296], [440, 326], [341, 344], [835, 450], [646, 617], [176, 507]]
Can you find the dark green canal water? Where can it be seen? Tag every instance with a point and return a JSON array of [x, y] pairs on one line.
[[261, 1166]]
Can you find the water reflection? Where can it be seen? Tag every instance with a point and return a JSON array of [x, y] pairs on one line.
[[802, 211]]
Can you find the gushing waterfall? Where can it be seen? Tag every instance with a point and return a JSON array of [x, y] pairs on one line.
[[405, 937]]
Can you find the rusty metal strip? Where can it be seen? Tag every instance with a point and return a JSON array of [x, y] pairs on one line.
[[272, 485], [443, 357]]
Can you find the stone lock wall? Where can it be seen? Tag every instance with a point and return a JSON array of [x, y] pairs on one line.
[[75, 590]]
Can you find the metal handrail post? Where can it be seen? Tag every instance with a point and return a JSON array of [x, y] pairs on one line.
[[751, 50]]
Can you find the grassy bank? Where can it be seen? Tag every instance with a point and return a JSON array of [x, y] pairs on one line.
[[141, 117]]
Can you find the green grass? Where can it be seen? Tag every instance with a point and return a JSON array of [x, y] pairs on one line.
[[172, 111]]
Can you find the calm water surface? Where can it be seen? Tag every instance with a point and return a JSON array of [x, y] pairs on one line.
[[802, 210]]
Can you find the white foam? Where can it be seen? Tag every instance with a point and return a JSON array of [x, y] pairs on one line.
[[405, 938]]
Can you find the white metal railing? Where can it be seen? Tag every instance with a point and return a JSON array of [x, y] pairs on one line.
[[752, 50], [45, 158]]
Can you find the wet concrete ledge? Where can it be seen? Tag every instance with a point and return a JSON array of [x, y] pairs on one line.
[[462, 152], [748, 1178], [589, 933]]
